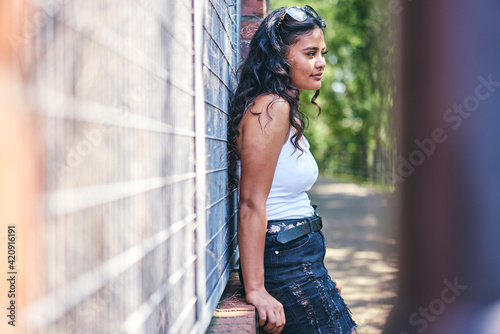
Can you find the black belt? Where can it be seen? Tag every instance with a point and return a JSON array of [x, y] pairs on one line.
[[311, 225]]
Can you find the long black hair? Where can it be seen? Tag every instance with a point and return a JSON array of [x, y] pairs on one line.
[[266, 71]]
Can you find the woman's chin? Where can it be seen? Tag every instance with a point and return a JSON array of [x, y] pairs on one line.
[[310, 88], [316, 86]]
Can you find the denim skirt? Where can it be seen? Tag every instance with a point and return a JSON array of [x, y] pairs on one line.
[[296, 276]]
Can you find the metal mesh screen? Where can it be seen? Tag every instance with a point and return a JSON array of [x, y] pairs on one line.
[[221, 45], [112, 84]]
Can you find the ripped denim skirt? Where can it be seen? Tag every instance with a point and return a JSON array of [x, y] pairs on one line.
[[295, 275]]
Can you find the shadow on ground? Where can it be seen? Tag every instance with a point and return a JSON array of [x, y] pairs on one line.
[[361, 248]]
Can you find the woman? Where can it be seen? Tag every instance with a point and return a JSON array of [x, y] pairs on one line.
[[281, 245]]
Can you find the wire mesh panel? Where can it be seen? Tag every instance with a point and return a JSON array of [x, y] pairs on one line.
[[112, 86], [221, 44]]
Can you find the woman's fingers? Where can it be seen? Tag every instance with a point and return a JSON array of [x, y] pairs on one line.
[[271, 312], [262, 320], [275, 323], [273, 320]]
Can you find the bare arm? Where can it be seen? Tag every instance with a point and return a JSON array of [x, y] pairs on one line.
[[260, 142]]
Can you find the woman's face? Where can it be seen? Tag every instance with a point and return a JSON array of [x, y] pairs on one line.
[[307, 60]]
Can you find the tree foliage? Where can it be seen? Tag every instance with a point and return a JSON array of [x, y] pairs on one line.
[[353, 136]]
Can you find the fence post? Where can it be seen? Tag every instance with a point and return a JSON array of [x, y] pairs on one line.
[[449, 161], [200, 156]]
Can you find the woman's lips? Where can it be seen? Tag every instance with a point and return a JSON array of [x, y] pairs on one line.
[[317, 76]]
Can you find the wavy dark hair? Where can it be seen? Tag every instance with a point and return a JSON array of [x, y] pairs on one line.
[[266, 71]]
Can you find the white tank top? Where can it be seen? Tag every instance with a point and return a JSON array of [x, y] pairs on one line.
[[295, 174]]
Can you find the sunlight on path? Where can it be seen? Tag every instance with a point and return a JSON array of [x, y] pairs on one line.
[[361, 249]]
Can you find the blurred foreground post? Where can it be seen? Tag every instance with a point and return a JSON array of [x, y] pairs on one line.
[[19, 179], [450, 162]]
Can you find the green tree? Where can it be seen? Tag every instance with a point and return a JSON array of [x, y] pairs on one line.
[[353, 136]]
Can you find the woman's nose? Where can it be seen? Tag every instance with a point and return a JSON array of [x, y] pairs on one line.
[[321, 62]]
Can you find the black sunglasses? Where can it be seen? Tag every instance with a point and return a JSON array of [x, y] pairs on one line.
[[298, 14]]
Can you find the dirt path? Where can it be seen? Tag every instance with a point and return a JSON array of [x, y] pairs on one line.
[[361, 250]]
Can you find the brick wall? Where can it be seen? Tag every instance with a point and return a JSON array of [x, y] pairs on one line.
[[252, 13]]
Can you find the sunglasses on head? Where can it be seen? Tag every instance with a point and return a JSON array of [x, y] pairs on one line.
[[298, 14]]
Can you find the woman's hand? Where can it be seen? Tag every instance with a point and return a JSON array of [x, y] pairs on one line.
[[271, 313]]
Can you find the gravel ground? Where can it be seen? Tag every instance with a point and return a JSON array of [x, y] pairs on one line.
[[361, 248]]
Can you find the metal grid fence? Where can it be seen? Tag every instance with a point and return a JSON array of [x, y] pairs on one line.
[[221, 33], [137, 233]]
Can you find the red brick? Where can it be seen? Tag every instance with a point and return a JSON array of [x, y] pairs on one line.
[[233, 314], [254, 7], [235, 321], [248, 28], [231, 328], [233, 311]]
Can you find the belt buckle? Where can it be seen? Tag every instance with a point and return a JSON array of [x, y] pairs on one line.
[[288, 231]]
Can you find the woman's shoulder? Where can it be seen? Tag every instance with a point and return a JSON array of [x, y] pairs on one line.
[[270, 98], [269, 113], [273, 104]]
